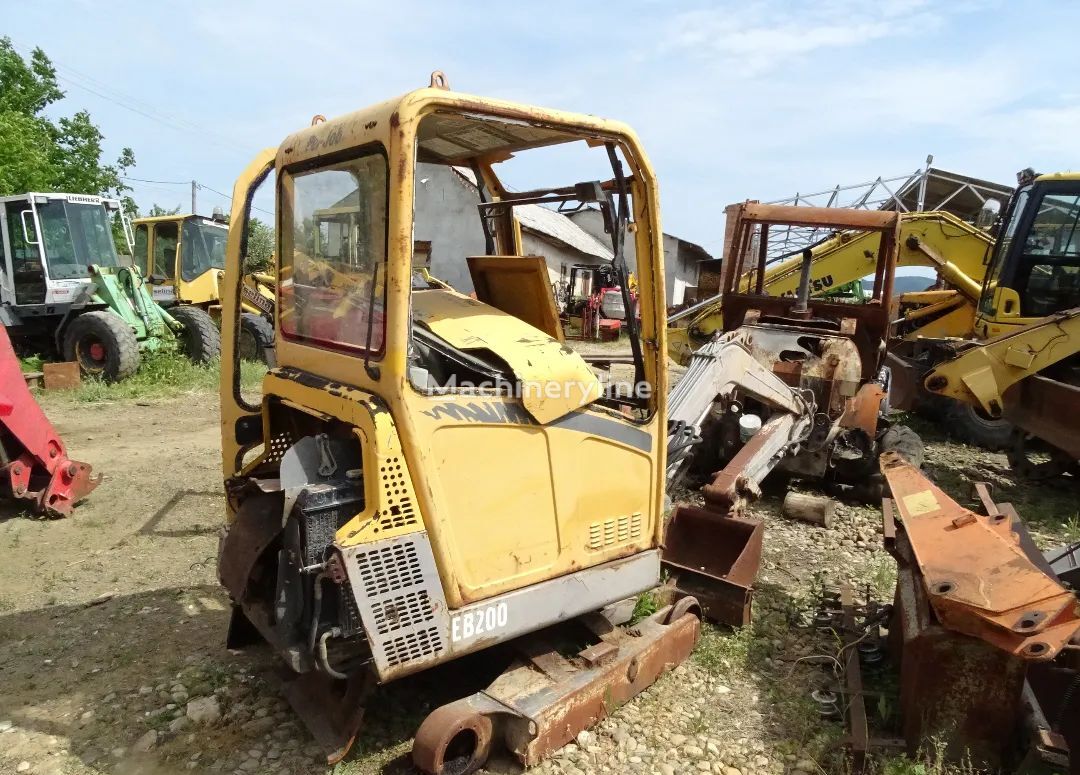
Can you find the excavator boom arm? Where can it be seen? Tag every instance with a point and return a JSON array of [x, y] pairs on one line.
[[980, 375], [938, 240]]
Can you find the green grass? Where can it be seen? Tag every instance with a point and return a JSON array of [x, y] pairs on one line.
[[31, 363], [161, 375], [646, 605]]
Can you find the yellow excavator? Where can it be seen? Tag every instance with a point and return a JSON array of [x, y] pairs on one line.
[[1027, 372], [412, 486]]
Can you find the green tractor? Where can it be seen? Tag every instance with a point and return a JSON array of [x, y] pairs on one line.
[[64, 289]]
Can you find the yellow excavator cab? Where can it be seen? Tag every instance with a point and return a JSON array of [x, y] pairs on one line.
[[1035, 270], [183, 259]]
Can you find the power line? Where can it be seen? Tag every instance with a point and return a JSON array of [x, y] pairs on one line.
[[126, 101], [163, 182]]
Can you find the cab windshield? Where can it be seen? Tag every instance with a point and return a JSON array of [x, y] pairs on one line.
[[75, 236], [1048, 279], [203, 247]]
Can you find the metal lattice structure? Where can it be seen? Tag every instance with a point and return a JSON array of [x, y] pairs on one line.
[[927, 188]]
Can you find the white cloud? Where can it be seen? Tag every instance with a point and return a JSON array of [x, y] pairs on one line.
[[751, 39]]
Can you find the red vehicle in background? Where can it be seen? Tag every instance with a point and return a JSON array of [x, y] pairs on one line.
[[593, 305]]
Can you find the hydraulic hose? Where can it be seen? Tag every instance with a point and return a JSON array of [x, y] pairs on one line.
[[324, 661]]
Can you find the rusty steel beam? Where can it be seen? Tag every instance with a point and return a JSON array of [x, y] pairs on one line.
[[978, 579], [543, 701], [858, 727], [825, 217]]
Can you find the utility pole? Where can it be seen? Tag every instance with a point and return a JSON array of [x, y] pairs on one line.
[[194, 185]]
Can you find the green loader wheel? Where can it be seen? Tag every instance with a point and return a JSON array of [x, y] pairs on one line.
[[103, 345], [200, 338], [256, 337]]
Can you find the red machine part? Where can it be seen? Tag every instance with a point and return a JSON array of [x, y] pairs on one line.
[[33, 461]]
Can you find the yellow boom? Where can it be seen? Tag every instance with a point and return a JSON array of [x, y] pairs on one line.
[[939, 240]]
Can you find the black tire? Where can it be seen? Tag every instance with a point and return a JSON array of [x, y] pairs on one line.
[[200, 338], [102, 344], [902, 439], [972, 426], [256, 337]]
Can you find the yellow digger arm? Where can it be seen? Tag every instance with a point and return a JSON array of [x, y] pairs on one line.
[[980, 375], [938, 240]]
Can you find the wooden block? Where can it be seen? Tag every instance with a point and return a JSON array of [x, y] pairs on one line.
[[809, 508], [61, 376]]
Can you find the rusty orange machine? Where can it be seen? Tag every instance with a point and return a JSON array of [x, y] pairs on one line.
[[979, 617], [793, 383], [410, 488]]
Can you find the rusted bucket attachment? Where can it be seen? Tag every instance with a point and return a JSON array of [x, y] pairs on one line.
[[544, 699], [715, 558]]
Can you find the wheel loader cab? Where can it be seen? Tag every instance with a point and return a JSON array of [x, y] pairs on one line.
[[431, 471], [182, 257], [49, 243]]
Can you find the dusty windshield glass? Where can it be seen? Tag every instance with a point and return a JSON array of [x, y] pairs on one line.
[[75, 236], [203, 247], [333, 256], [1048, 279], [994, 271]]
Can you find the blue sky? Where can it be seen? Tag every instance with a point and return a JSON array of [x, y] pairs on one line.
[[733, 100]]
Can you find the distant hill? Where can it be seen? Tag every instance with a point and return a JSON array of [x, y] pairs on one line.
[[912, 283], [905, 283]]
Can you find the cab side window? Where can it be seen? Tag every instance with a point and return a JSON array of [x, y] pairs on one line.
[[166, 238], [142, 244]]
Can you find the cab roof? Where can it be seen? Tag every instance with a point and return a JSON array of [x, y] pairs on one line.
[[1059, 176], [178, 217], [452, 133]]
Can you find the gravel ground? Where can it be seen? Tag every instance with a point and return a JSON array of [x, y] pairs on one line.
[[112, 629]]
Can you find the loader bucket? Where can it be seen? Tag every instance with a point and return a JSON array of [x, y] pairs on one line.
[[715, 558]]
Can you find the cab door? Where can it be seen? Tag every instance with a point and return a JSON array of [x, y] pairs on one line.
[[25, 267], [164, 252]]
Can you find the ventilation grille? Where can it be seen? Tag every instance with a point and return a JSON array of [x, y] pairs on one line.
[[388, 569], [279, 445], [614, 531], [395, 584], [403, 611], [398, 511], [414, 645]]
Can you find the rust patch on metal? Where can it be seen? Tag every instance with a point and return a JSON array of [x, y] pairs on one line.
[[714, 558], [980, 582], [863, 409], [532, 713]]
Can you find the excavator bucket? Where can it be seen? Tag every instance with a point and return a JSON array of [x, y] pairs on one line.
[[715, 558], [33, 461]]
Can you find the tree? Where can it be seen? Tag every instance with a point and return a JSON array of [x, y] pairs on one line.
[[157, 210], [260, 255], [38, 154]]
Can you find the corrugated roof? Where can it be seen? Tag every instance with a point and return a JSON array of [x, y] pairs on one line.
[[559, 227]]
